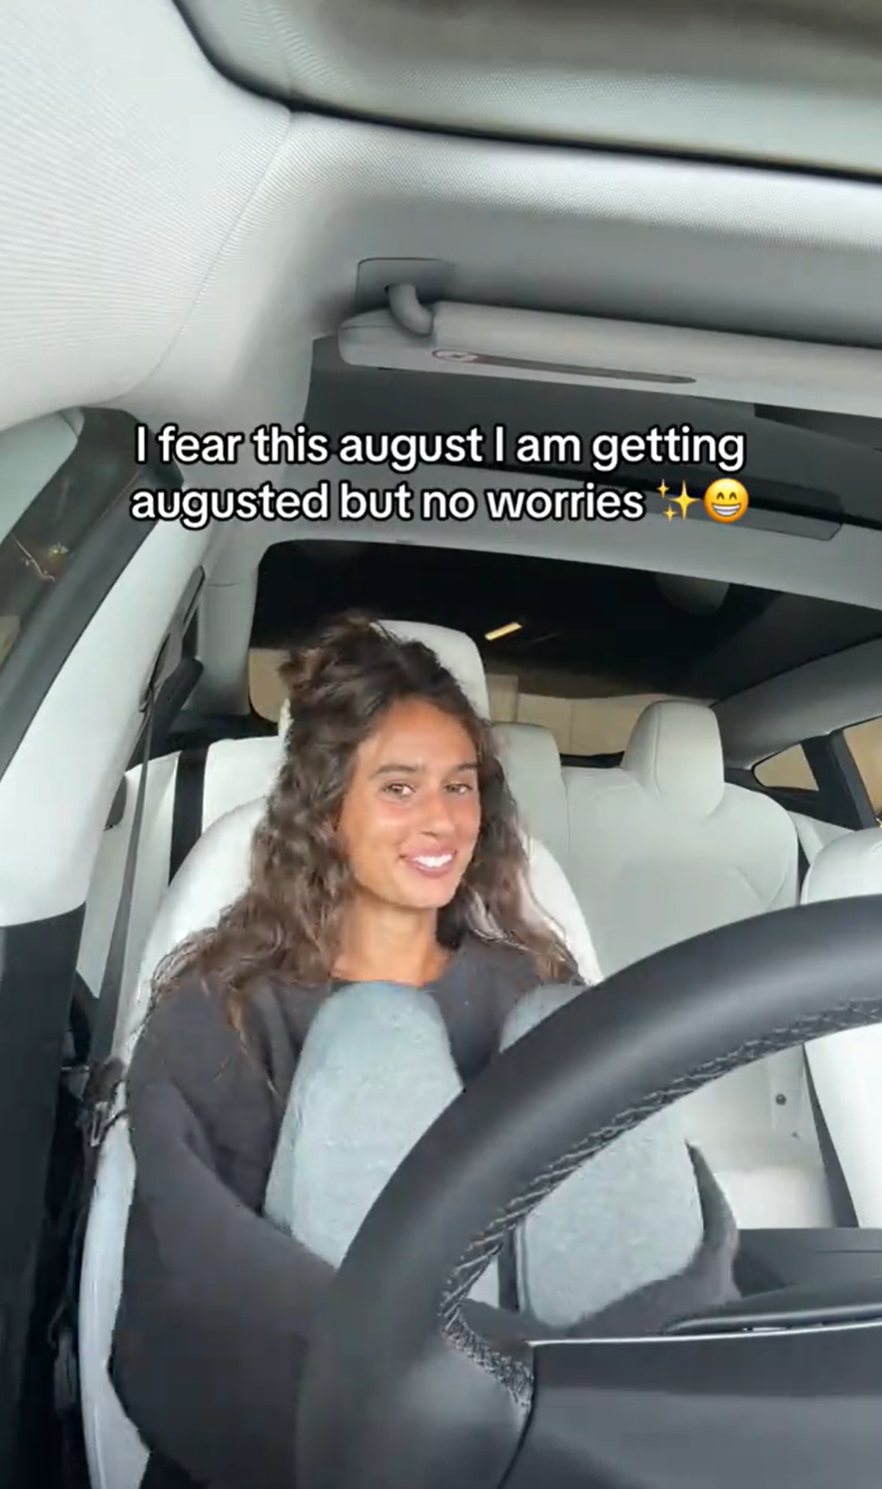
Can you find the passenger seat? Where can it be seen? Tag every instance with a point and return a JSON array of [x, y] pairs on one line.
[[662, 849]]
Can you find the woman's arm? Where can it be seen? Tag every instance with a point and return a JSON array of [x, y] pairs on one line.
[[217, 1304]]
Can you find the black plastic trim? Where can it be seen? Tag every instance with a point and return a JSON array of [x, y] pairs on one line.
[[59, 622], [181, 673], [188, 803], [593, 762], [117, 806], [771, 1259], [757, 1410], [36, 974], [839, 781], [806, 1305]]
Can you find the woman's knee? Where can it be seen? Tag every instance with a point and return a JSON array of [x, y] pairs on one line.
[[535, 1006], [370, 1020]]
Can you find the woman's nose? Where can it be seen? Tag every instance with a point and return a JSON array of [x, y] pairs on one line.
[[438, 818]]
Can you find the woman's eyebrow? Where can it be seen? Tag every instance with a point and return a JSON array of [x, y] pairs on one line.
[[392, 769]]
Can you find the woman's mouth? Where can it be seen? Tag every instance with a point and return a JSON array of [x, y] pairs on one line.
[[431, 865]]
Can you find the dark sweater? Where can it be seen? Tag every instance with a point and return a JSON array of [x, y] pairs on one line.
[[218, 1304]]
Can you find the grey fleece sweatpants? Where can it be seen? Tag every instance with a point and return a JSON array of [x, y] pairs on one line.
[[375, 1073]]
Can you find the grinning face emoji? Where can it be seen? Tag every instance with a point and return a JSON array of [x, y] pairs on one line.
[[725, 500]]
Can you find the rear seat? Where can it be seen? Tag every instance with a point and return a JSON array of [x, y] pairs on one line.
[[662, 848]]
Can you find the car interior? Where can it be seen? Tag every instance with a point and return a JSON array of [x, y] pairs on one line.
[[416, 220]]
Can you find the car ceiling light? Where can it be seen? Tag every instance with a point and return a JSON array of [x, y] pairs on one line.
[[513, 625]]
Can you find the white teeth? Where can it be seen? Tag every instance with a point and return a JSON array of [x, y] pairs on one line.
[[435, 863]]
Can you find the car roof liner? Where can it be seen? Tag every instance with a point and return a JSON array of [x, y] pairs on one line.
[[795, 81]]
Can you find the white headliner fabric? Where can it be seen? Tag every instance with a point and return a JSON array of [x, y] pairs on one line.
[[601, 71]]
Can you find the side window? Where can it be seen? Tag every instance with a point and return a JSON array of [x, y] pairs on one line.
[[787, 771], [59, 477], [865, 743], [67, 532]]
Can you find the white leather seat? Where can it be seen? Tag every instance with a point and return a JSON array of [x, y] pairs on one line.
[[210, 878], [665, 836], [531, 760], [661, 849], [847, 1068]]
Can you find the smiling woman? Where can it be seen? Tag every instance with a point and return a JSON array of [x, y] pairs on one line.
[[381, 956], [388, 772]]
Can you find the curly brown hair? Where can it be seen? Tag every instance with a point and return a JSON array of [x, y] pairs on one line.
[[287, 923]]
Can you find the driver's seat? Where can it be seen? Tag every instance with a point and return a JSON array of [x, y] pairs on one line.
[[209, 879]]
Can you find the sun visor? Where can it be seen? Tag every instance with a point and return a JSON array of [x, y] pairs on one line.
[[543, 347]]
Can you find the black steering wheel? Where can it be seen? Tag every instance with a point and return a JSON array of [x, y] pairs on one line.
[[402, 1392]]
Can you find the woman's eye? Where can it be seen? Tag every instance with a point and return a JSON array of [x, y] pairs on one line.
[[461, 788], [398, 788]]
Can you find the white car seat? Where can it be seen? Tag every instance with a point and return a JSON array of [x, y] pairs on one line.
[[531, 759], [210, 878], [847, 1068], [665, 836], [661, 849]]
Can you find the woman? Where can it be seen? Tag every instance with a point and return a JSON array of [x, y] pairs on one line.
[[389, 852]]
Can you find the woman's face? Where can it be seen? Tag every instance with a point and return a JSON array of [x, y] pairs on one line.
[[412, 813]]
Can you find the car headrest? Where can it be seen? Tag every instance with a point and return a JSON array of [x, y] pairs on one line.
[[531, 761], [676, 754], [849, 866], [454, 649]]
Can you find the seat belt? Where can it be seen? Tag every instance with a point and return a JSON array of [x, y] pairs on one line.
[[95, 1086]]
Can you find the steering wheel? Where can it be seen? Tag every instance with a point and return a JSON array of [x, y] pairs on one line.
[[402, 1391]]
